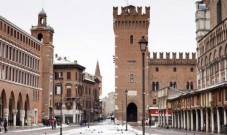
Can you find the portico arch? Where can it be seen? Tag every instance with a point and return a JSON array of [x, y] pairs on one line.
[[132, 112], [12, 107], [3, 103], [19, 110], [27, 110]]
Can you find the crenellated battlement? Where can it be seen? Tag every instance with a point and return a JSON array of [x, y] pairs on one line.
[[131, 11], [173, 58], [131, 18], [180, 55]]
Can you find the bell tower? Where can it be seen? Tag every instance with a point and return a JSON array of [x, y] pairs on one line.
[[129, 27], [44, 34]]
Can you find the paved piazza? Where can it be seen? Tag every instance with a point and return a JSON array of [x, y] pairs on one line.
[[103, 128]]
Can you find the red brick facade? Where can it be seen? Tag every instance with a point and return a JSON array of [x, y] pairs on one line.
[[178, 70]]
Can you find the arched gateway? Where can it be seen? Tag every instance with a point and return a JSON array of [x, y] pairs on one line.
[[132, 113]]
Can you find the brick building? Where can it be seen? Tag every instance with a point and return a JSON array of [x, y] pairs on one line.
[[205, 108], [22, 72], [80, 91], [177, 71]]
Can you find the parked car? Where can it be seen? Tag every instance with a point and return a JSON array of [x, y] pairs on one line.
[[224, 129]]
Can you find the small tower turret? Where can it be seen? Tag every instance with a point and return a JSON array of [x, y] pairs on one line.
[[42, 18]]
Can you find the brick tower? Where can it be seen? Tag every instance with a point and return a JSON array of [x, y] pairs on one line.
[[129, 27], [44, 33]]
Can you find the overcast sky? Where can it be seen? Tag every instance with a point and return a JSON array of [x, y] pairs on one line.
[[84, 28]]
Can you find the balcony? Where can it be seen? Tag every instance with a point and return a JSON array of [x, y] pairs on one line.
[[70, 97]]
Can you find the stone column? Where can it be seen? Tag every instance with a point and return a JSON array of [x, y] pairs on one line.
[[63, 119], [184, 120], [188, 122], [197, 120], [218, 121], [22, 114], [164, 119], [201, 116], [14, 117], [172, 119], [161, 119], [212, 120], [74, 118], [178, 120], [29, 117], [6, 114], [225, 119], [192, 123], [167, 117], [207, 121]]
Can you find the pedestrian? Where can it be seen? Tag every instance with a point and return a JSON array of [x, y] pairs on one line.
[[149, 122], [55, 123], [5, 125], [51, 123], [67, 122]]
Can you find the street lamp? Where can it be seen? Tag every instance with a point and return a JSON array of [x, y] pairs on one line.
[[143, 46], [61, 81], [126, 95]]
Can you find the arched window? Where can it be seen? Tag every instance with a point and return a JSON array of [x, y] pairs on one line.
[[41, 20], [214, 54], [191, 85], [175, 85], [226, 45], [68, 92], [171, 84], [131, 39], [153, 86], [40, 37], [187, 85], [157, 85], [131, 78], [220, 52]]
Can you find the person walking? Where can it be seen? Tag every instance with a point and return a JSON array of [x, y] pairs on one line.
[[52, 123], [5, 125], [55, 123]]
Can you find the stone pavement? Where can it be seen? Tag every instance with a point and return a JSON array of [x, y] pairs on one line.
[[171, 131]]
